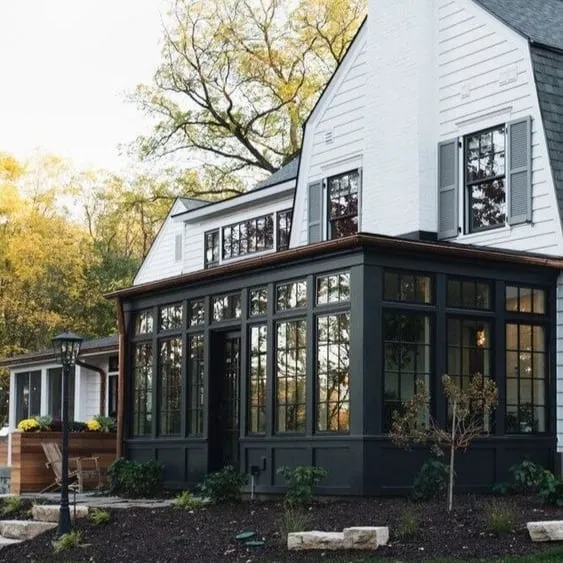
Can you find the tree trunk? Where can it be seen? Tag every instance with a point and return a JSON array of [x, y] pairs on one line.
[[452, 453]]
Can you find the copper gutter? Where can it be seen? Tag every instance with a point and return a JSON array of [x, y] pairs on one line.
[[384, 244]]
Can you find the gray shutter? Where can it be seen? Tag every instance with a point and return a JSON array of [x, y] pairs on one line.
[[315, 212], [448, 180], [519, 171], [178, 247]]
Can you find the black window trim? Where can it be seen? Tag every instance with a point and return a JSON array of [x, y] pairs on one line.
[[206, 264], [326, 186]]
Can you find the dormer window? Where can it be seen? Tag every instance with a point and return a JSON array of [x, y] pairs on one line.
[[211, 248], [343, 204], [248, 237], [284, 229]]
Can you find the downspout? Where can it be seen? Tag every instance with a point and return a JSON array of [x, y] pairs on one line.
[[120, 378], [103, 378]]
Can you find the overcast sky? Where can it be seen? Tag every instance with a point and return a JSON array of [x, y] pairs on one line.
[[65, 66]]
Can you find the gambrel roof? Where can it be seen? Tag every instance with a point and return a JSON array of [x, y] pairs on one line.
[[541, 22]]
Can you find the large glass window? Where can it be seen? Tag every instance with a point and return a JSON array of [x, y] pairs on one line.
[[196, 372], [343, 193], [526, 374], [402, 286], [257, 377], [407, 358], [333, 372], [55, 385], [292, 295], [171, 316], [28, 395], [226, 307], [525, 299], [248, 237], [142, 389], [284, 228], [170, 368], [291, 375], [485, 178], [333, 288], [211, 250]]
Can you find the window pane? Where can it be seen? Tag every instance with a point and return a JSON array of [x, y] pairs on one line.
[[211, 250], [55, 382], [284, 229], [291, 295], [195, 377], [525, 300], [343, 204], [407, 358], [258, 379], [488, 204], [170, 374], [469, 294], [142, 390], [333, 288], [401, 286], [171, 316], [249, 236], [144, 322], [197, 312], [333, 373], [258, 301], [291, 360], [227, 307]]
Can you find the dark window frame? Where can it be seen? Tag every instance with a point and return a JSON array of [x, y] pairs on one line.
[[415, 274], [468, 185], [215, 260], [288, 215], [168, 375], [332, 219], [261, 239], [464, 279], [19, 409], [261, 379]]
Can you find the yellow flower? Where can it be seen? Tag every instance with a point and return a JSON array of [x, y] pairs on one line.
[[93, 425], [28, 425]]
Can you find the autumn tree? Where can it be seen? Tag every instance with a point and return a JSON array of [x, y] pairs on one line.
[[469, 411], [239, 77]]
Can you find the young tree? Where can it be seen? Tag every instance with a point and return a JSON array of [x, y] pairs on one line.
[[469, 413], [239, 77]]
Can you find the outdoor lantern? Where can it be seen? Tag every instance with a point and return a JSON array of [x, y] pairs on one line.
[[66, 347]]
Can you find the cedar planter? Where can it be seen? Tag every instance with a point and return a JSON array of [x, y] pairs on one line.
[[29, 473]]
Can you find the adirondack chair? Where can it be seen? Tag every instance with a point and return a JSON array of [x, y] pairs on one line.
[[80, 469]]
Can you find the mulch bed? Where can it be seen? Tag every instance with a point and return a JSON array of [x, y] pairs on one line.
[[208, 535]]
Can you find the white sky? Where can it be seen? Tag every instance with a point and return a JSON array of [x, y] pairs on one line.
[[65, 68]]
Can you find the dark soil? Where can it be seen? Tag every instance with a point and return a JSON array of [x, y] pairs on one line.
[[208, 535]]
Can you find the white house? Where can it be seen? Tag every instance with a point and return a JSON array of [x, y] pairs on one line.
[[418, 233]]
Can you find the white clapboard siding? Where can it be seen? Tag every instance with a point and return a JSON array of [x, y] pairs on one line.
[[340, 115], [194, 245], [485, 79]]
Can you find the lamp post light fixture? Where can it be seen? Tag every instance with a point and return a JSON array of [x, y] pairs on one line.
[[66, 347]]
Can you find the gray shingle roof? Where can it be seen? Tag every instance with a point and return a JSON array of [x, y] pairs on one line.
[[539, 20], [285, 173]]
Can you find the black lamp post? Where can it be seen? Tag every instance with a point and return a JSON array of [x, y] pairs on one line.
[[67, 348]]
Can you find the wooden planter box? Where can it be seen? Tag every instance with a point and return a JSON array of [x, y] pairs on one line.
[[29, 473]]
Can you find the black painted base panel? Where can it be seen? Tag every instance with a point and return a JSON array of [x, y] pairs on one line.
[[356, 466]]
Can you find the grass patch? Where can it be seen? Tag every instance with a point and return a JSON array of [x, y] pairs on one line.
[[186, 501], [294, 520], [68, 541], [11, 505], [500, 518], [409, 525], [99, 516]]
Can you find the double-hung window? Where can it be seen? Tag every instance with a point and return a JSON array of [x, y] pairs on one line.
[[486, 175]]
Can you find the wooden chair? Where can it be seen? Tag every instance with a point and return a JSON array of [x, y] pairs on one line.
[[80, 469]]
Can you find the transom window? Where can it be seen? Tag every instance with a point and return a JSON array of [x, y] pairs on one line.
[[144, 322], [333, 288], [468, 294], [343, 193], [171, 316], [292, 295], [247, 237], [227, 307], [400, 286], [258, 300], [525, 299], [485, 178]]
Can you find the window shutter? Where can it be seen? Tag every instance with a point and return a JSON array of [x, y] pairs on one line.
[[315, 211], [178, 247], [448, 180], [519, 171]]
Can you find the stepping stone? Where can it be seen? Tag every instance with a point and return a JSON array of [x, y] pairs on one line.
[[366, 537], [50, 512], [315, 540], [546, 531], [24, 529], [7, 541]]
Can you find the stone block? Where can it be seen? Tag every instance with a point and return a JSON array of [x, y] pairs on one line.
[[546, 531], [24, 529], [50, 512], [365, 537], [315, 540]]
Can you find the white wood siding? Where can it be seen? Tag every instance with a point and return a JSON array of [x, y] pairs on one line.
[[485, 78], [194, 243], [160, 262], [341, 114]]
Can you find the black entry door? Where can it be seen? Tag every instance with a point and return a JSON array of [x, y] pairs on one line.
[[225, 413]]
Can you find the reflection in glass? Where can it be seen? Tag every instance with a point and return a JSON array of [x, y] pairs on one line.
[[257, 377], [469, 294], [343, 204], [144, 322], [170, 368], [142, 390], [333, 288], [227, 307], [197, 312], [195, 376], [258, 301], [171, 316], [525, 299], [291, 295], [400, 286]]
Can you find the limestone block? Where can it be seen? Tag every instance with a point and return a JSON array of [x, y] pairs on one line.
[[315, 540], [24, 529], [50, 512], [546, 531], [365, 537]]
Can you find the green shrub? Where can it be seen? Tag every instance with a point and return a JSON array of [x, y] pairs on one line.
[[68, 541], [294, 520], [527, 476], [501, 489], [409, 524], [44, 422], [107, 423], [133, 479], [431, 481], [550, 489], [500, 519], [11, 505], [187, 501], [224, 485], [99, 516], [300, 482]]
